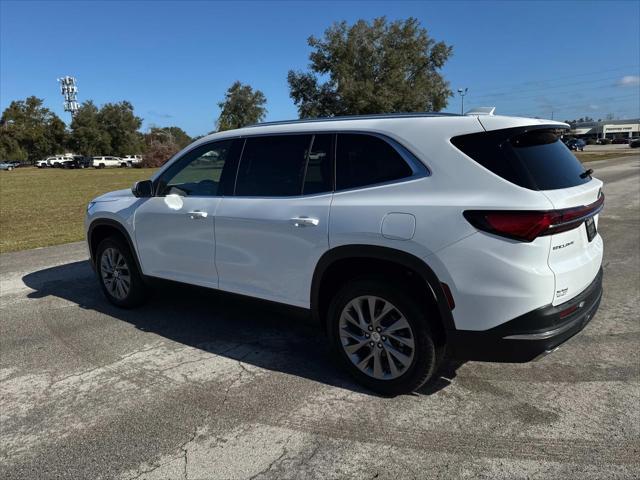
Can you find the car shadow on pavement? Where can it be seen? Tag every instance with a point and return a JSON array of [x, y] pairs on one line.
[[259, 333]]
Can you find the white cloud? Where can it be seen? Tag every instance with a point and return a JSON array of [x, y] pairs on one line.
[[629, 81]]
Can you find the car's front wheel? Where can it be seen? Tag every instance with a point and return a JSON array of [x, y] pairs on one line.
[[118, 274], [382, 337]]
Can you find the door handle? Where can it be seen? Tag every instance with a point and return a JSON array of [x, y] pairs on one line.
[[197, 215], [304, 222]]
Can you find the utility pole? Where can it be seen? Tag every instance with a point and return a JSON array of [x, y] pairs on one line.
[[462, 93], [69, 91]]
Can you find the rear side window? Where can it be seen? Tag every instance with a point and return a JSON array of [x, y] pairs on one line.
[[319, 172], [535, 159], [366, 160], [273, 166]]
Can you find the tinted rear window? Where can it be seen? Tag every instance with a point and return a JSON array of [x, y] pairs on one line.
[[535, 159], [367, 160], [273, 166]]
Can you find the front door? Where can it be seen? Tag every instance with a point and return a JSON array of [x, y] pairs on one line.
[[174, 230]]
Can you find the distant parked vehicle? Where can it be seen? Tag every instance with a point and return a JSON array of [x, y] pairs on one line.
[[14, 163], [108, 161], [130, 160], [57, 161], [634, 143], [620, 141], [78, 161], [6, 166], [42, 163], [576, 144]]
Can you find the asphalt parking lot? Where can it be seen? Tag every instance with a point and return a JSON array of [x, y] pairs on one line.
[[201, 385]]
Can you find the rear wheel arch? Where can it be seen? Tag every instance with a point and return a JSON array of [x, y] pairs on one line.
[[341, 264]]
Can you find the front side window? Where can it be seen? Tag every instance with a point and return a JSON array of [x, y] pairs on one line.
[[273, 166], [363, 160], [200, 172]]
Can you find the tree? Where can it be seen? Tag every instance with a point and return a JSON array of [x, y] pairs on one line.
[[586, 119], [119, 122], [110, 130], [372, 68], [162, 143], [30, 131], [168, 134], [158, 153], [87, 135], [241, 106]]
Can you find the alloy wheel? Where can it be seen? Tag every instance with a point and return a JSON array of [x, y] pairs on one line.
[[377, 337], [115, 273]]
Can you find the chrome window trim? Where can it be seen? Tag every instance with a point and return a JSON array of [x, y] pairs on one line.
[[418, 168]]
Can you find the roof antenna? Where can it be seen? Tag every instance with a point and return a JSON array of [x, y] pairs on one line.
[[481, 111]]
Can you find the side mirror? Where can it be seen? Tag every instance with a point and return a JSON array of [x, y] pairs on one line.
[[142, 189]]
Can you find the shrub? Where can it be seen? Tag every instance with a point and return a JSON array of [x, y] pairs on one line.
[[591, 141], [158, 153], [605, 141]]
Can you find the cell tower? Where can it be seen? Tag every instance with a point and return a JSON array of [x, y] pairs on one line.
[[69, 91]]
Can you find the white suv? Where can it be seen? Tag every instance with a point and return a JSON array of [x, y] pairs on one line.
[[408, 236], [108, 161]]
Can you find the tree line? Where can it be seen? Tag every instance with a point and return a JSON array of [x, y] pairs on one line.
[[368, 67]]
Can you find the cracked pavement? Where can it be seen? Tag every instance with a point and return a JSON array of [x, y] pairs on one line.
[[202, 385]]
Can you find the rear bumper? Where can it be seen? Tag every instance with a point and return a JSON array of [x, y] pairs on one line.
[[530, 335]]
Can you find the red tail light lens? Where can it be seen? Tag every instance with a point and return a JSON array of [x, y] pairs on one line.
[[526, 225]]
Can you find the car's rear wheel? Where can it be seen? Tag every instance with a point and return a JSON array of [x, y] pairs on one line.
[[382, 336], [118, 274]]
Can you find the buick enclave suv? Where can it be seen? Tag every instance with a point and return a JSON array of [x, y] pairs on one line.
[[409, 236]]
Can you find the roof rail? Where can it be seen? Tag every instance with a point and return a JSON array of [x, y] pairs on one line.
[[372, 116], [481, 111]]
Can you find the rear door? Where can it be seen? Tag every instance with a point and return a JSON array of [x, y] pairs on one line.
[[272, 232], [575, 256], [533, 157]]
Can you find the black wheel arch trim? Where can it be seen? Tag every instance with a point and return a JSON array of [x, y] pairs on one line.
[[380, 253], [107, 222]]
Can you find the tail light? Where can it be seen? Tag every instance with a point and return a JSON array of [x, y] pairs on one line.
[[527, 225]]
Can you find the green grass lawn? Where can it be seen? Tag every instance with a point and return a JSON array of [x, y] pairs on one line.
[[41, 207]]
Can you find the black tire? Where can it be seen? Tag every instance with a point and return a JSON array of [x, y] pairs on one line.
[[137, 292], [427, 355]]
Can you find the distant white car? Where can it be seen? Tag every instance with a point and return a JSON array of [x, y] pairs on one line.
[[108, 161], [42, 164], [57, 160], [130, 160]]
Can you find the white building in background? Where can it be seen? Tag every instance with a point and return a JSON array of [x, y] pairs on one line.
[[607, 129]]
